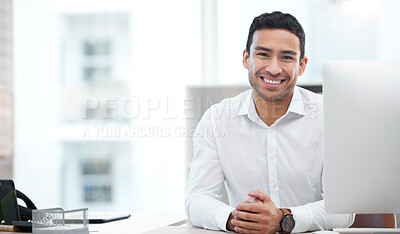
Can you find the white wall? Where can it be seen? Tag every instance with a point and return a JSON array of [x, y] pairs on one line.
[[389, 30], [37, 156]]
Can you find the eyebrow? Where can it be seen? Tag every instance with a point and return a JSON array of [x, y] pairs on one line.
[[289, 52], [262, 48], [292, 52]]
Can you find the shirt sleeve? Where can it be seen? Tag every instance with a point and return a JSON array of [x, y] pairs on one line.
[[206, 179], [312, 216]]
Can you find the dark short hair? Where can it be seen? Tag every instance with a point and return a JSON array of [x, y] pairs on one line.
[[277, 20]]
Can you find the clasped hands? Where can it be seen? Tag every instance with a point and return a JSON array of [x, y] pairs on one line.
[[258, 214]]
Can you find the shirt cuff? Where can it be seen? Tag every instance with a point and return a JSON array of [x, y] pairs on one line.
[[222, 217], [302, 218]]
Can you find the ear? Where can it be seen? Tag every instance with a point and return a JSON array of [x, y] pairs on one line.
[[245, 59], [302, 65]]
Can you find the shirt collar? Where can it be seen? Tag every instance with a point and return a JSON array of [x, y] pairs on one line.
[[296, 105]]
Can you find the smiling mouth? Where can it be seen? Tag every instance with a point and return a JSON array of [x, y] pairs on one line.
[[272, 81]]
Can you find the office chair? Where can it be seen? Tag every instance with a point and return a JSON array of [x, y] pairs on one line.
[[374, 221]]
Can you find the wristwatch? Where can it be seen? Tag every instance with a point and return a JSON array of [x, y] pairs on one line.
[[287, 222]]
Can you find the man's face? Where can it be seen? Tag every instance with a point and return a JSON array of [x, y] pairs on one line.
[[273, 63]]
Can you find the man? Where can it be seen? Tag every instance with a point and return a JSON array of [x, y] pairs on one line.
[[272, 159]]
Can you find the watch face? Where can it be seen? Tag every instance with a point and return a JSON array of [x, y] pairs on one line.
[[287, 223]]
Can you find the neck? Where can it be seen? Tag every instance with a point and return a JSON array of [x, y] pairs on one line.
[[269, 112]]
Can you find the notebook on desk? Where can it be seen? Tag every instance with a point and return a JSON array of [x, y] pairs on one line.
[[105, 218], [95, 218]]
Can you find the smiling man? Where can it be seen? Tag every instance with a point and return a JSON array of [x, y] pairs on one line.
[[271, 162]]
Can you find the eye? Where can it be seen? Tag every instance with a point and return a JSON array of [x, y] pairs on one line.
[[286, 57], [262, 54]]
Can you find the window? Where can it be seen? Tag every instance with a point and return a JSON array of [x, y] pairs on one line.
[[82, 52], [96, 48], [97, 180]]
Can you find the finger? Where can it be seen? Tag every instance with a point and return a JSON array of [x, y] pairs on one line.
[[253, 217], [243, 230], [255, 200], [241, 215], [250, 207], [246, 225], [259, 195]]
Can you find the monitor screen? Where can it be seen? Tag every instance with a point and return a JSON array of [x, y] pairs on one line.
[[362, 136]]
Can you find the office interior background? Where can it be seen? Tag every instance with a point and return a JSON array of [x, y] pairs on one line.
[[92, 93]]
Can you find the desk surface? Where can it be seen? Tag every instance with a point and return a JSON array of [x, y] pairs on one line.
[[137, 223]]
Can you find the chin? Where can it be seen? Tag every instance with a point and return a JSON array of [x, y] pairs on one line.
[[266, 95]]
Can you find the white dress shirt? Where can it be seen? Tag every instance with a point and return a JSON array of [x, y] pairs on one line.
[[232, 145]]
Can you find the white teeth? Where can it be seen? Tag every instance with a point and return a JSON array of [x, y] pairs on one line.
[[272, 81]]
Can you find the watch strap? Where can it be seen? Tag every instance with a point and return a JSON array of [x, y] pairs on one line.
[[286, 211]]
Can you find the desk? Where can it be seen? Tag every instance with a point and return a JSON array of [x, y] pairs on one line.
[[137, 223]]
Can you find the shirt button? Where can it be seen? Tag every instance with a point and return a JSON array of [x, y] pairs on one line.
[[274, 186]]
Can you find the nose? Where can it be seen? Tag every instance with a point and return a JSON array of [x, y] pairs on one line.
[[274, 67]]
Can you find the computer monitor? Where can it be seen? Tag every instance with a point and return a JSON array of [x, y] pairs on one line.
[[362, 136]]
